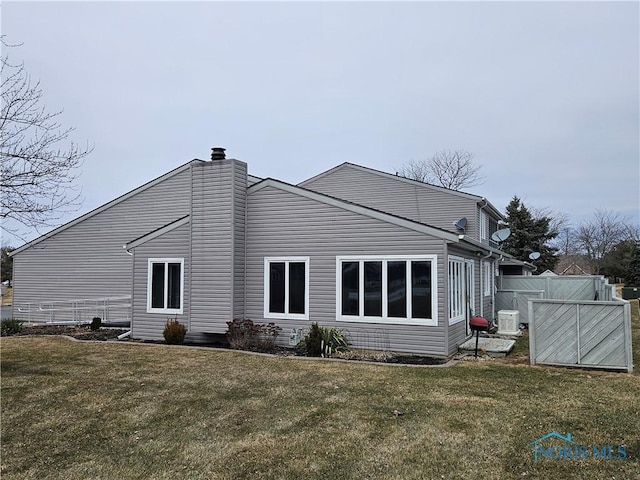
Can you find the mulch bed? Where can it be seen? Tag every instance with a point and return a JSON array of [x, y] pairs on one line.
[[79, 332], [83, 332]]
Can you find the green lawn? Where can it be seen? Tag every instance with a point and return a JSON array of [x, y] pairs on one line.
[[74, 410]]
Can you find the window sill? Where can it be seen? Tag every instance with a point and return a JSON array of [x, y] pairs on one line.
[[286, 316], [425, 322], [165, 311]]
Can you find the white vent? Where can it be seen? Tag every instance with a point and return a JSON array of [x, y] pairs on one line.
[[508, 322]]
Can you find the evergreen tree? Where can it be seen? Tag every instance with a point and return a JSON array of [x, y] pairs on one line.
[[529, 234], [617, 263], [6, 265], [632, 278]]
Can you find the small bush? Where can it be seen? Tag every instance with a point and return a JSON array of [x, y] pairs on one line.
[[322, 341], [96, 323], [10, 327], [174, 332], [243, 334], [311, 344], [267, 336]]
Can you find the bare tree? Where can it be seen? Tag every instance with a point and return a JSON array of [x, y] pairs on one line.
[[598, 236], [450, 169], [565, 242], [37, 174], [560, 224]]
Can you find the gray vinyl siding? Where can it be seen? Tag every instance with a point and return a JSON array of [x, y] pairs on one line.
[[217, 263], [239, 234], [174, 244], [87, 260], [284, 224], [422, 203]]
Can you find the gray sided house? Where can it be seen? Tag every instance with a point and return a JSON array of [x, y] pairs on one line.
[[382, 257]]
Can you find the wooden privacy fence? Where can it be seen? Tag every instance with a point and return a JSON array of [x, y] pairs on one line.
[[592, 334]]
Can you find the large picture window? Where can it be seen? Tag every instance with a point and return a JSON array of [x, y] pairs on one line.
[[165, 285], [390, 289], [286, 287]]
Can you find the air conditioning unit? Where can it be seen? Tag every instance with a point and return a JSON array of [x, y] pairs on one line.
[[508, 322]]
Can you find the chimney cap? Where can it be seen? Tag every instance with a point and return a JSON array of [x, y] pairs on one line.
[[217, 153]]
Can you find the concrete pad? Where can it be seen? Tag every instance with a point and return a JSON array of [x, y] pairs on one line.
[[490, 345]]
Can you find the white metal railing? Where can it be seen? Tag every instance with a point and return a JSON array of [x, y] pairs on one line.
[[109, 309]]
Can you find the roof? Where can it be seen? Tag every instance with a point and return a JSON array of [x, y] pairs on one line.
[[107, 205], [396, 177], [157, 232], [463, 241]]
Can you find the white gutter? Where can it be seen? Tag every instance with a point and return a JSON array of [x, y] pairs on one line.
[[481, 283]]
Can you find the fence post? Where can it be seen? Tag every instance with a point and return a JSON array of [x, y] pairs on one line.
[[578, 333], [626, 320], [532, 336]]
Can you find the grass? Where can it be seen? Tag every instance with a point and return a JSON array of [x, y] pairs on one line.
[[74, 410]]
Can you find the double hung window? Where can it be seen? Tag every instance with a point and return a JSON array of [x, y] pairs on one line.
[[165, 285], [286, 287]]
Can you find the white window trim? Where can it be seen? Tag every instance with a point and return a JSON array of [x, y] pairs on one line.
[[172, 311], [484, 226], [472, 283], [456, 283], [429, 322], [487, 281], [266, 284]]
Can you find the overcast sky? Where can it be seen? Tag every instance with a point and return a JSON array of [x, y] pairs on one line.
[[546, 95]]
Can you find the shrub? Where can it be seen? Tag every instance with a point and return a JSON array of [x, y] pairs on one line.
[[174, 332], [243, 334], [10, 327], [96, 323], [323, 341], [311, 344], [333, 340]]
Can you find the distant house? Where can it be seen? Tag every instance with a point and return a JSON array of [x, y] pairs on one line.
[[573, 265], [394, 262]]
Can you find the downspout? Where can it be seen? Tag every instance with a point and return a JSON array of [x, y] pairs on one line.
[[445, 296], [126, 334], [482, 295], [485, 202], [493, 290]]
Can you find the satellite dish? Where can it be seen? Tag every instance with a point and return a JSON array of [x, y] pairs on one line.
[[501, 235], [461, 224], [534, 255]]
